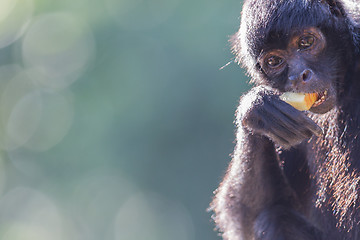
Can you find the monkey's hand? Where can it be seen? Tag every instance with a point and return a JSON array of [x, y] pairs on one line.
[[262, 112]]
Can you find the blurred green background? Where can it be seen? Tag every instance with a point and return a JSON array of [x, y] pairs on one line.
[[116, 121]]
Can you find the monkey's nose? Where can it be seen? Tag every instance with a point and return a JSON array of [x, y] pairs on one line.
[[306, 75]]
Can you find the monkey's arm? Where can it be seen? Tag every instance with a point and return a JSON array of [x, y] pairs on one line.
[[254, 197]]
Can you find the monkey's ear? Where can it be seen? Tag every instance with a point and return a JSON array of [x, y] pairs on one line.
[[335, 8], [356, 39], [239, 51], [242, 56], [242, 51], [350, 12], [236, 47]]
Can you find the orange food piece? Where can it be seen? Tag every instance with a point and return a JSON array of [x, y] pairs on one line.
[[300, 101], [310, 99]]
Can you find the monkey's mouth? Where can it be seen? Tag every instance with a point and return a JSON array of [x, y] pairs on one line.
[[321, 98], [325, 101], [316, 102]]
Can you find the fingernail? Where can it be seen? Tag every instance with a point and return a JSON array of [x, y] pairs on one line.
[[319, 131]]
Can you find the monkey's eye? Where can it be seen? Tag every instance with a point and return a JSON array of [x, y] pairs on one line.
[[306, 42], [274, 61]]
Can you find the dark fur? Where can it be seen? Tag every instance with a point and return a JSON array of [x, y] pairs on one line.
[[311, 190]]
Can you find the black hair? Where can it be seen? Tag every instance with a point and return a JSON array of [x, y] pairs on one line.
[[265, 21]]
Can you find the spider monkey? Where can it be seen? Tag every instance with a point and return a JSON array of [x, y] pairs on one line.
[[295, 174]]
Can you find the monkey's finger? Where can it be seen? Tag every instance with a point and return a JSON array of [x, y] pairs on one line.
[[281, 130], [279, 140], [285, 136], [312, 126], [299, 117], [276, 117]]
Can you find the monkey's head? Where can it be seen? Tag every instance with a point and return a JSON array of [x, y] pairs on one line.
[[297, 45]]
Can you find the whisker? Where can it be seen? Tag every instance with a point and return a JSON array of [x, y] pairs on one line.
[[227, 64]]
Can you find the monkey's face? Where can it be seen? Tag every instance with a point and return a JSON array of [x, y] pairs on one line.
[[303, 63]]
